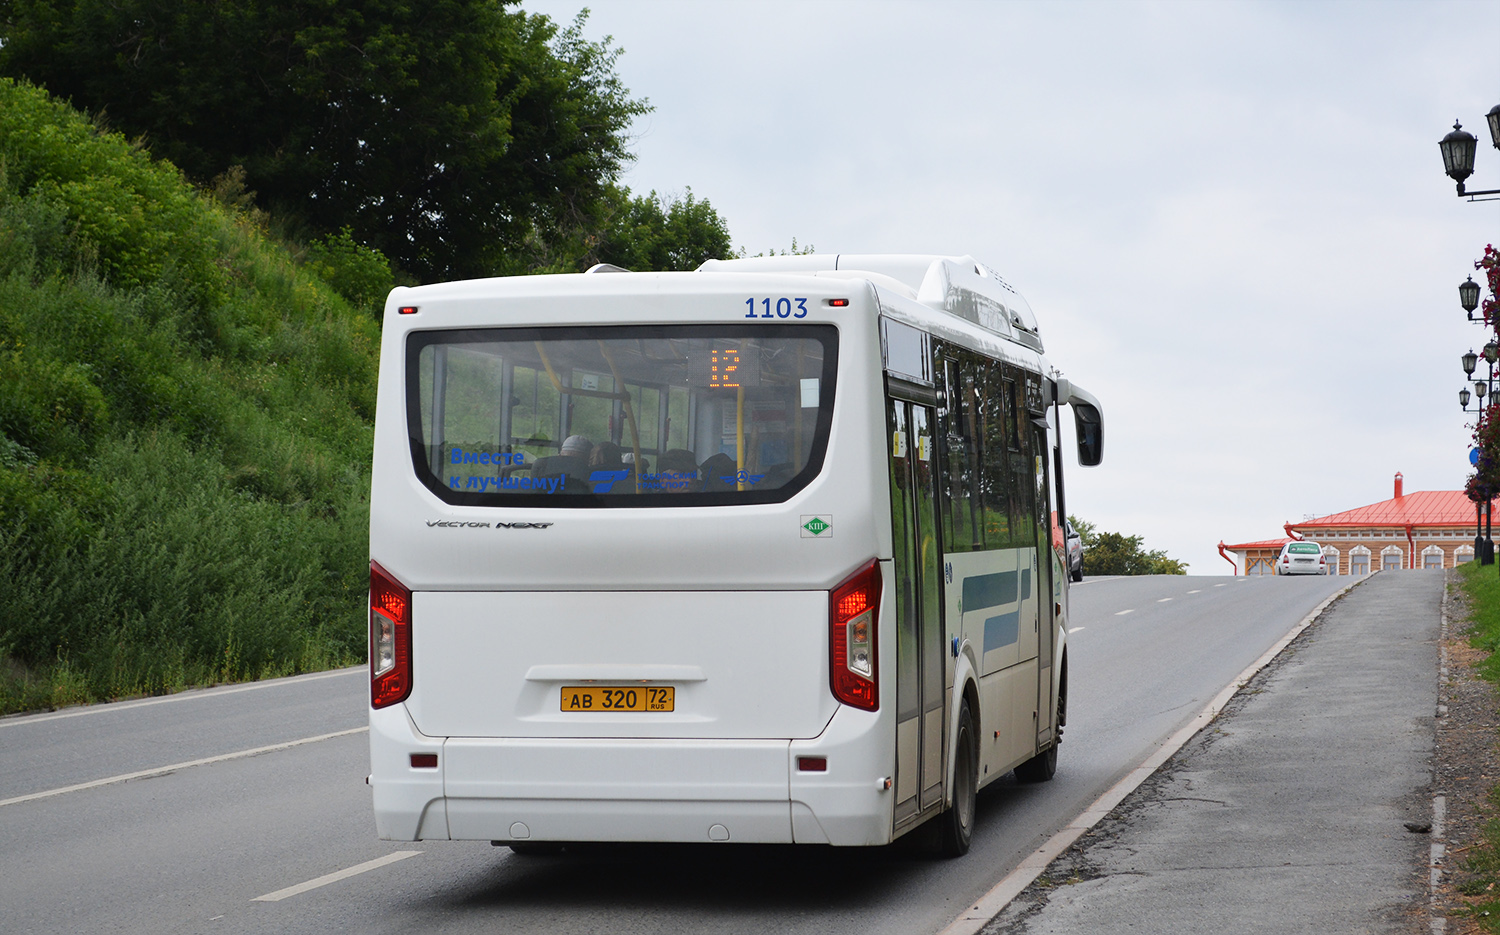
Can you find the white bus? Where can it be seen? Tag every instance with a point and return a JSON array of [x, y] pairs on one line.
[[765, 552]]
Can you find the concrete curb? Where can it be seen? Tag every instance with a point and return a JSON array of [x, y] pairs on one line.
[[992, 903], [1437, 922]]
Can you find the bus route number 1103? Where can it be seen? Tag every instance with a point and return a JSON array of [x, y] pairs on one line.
[[783, 308]]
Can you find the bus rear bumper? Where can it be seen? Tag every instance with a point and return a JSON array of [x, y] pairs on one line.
[[617, 790], [514, 790], [409, 802]]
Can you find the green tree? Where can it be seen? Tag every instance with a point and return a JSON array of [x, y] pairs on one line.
[[450, 135], [1084, 529], [650, 232], [1113, 553], [356, 272]]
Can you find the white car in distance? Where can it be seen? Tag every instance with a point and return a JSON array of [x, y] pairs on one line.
[[1301, 558]]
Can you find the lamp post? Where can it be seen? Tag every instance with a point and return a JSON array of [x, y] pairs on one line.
[[1458, 154], [1468, 296], [1458, 149], [1484, 545], [1485, 385]]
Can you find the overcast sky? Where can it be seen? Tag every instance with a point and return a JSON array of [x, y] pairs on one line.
[[1230, 218]]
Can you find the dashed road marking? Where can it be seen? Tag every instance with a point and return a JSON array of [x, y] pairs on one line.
[[1121, 613], [163, 770], [1075, 630], [1163, 600], [334, 877]]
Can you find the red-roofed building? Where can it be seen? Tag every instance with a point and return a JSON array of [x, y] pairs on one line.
[[1254, 558], [1426, 529]]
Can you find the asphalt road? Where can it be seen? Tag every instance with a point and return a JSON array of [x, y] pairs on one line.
[[201, 847]]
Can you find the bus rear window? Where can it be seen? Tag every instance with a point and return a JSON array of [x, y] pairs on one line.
[[620, 416]]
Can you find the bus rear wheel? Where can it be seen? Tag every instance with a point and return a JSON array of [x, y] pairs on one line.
[[957, 823], [1039, 768]]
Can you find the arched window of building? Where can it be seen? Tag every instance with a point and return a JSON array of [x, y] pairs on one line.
[[1331, 558], [1359, 560], [1392, 558], [1432, 557], [1464, 553]]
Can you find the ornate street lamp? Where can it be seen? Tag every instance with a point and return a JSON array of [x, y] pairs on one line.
[[1458, 163], [1458, 153], [1468, 295]]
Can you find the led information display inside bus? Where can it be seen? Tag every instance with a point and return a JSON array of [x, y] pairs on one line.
[[724, 368], [594, 698]]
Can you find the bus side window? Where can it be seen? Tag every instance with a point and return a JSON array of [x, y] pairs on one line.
[[995, 416], [1021, 468], [963, 526], [1013, 414]]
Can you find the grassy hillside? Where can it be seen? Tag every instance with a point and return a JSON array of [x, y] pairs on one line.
[[185, 419]]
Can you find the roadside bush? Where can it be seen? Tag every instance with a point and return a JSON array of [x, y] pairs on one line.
[[184, 430], [360, 274]]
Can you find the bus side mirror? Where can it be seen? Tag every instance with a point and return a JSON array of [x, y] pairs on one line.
[[1090, 424]]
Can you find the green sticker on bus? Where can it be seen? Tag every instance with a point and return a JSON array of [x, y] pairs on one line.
[[815, 526]]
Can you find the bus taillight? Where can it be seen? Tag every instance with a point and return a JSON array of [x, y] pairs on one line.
[[390, 639], [852, 672]]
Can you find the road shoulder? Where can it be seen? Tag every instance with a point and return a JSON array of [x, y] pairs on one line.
[[1466, 768], [1288, 812]]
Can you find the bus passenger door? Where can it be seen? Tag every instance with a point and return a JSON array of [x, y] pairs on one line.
[[920, 663], [1048, 584]]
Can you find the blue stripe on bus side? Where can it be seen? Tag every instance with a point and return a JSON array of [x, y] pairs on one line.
[[1002, 630], [981, 591]]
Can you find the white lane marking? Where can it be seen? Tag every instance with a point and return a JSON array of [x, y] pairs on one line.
[[180, 696], [1121, 613], [163, 770], [1163, 600], [334, 877], [1196, 591], [988, 906], [1075, 630], [1220, 585]]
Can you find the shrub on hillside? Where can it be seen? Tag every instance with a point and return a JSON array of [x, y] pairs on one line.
[[358, 273], [184, 429]]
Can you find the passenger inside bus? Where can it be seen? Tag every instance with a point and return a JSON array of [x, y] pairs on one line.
[[718, 473], [607, 456], [677, 472], [572, 460]]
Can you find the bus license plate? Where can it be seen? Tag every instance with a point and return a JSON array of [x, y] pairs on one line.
[[597, 698]]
